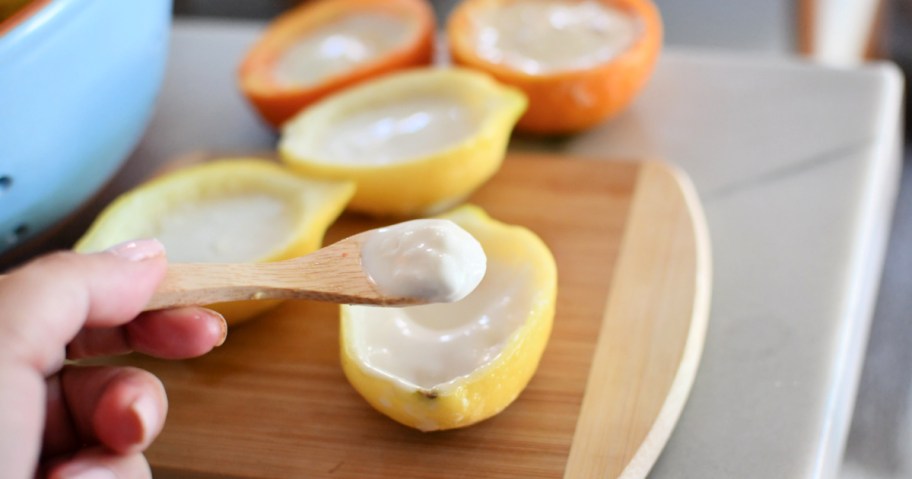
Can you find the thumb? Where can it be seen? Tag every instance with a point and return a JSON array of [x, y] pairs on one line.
[[47, 301]]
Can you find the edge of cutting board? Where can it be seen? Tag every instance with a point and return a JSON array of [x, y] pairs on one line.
[[666, 220]]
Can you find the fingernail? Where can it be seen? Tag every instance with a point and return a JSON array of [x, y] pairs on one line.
[[86, 471], [146, 411], [138, 250], [222, 327]]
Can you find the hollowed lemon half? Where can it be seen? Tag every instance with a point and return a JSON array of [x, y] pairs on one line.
[[579, 61], [229, 210], [451, 365], [415, 143], [325, 46]]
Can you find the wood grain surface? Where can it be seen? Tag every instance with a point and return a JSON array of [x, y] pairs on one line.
[[633, 266]]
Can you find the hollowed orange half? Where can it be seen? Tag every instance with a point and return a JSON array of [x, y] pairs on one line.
[[327, 45], [573, 98]]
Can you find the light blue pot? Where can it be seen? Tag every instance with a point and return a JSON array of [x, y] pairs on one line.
[[78, 81]]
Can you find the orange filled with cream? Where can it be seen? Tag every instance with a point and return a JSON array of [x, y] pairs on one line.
[[324, 46], [579, 61]]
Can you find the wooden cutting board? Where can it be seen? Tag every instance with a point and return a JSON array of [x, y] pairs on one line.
[[634, 282]]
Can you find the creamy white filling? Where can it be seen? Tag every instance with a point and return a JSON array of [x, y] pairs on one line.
[[545, 36], [342, 45], [427, 346], [398, 131], [430, 259], [238, 228]]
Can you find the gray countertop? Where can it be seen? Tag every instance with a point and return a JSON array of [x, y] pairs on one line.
[[797, 167], [880, 439]]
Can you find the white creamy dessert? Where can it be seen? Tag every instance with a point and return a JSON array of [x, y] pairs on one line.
[[426, 346], [548, 36], [398, 131], [429, 259], [239, 228], [341, 45]]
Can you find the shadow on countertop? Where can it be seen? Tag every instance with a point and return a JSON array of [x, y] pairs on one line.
[[263, 9]]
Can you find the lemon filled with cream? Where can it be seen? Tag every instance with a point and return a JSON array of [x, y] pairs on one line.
[[450, 365], [579, 61], [325, 46], [415, 142], [225, 211]]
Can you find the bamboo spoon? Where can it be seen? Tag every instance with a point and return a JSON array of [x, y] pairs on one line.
[[336, 273], [332, 274], [415, 262]]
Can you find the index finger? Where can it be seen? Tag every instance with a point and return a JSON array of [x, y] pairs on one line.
[[165, 333]]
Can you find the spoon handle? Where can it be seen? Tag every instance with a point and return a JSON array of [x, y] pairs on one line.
[[188, 284], [333, 274]]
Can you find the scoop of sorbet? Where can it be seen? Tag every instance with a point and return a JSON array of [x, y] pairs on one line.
[[430, 259]]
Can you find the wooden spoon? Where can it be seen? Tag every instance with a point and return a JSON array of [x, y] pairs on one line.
[[333, 274]]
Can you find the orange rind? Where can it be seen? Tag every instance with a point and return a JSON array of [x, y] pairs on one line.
[[572, 97], [325, 46]]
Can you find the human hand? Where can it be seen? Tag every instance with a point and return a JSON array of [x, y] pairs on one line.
[[68, 421]]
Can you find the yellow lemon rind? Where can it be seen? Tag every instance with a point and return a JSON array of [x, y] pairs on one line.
[[424, 185], [490, 389], [316, 203]]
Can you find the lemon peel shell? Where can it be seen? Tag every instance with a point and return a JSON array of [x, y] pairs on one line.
[[490, 388], [421, 185], [315, 205]]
